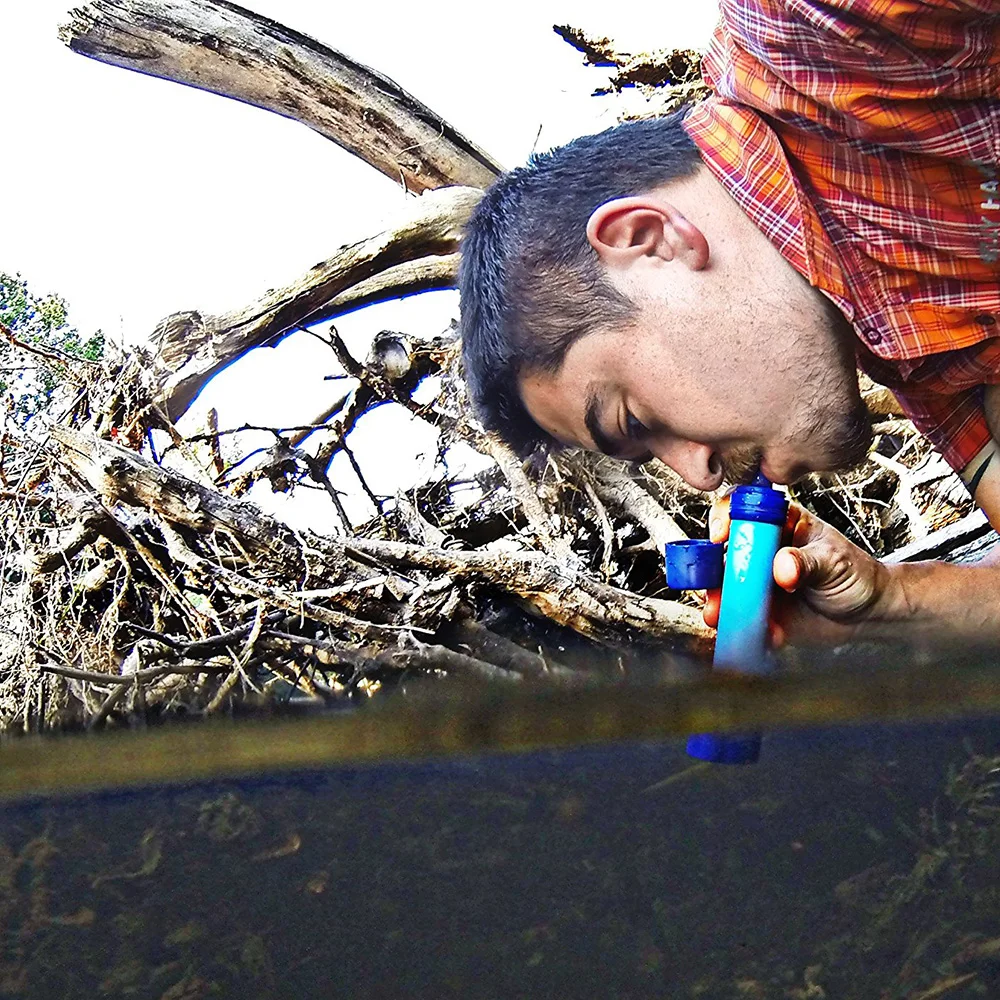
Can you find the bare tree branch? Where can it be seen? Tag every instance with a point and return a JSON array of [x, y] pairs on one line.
[[119, 475], [192, 347], [50, 354], [562, 594], [228, 50], [626, 497], [424, 275]]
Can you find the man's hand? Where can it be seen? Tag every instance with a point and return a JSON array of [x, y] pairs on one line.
[[831, 585]]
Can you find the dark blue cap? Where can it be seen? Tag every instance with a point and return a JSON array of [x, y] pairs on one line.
[[693, 564], [758, 502], [719, 749]]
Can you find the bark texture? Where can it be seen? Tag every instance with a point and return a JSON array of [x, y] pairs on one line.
[[226, 49], [191, 347]]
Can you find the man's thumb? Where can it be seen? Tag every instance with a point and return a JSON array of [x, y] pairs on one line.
[[793, 568], [718, 521]]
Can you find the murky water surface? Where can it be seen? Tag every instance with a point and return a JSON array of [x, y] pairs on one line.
[[849, 863]]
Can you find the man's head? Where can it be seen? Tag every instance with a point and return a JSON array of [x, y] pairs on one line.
[[615, 297]]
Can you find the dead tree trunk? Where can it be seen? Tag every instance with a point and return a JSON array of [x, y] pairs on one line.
[[228, 50], [222, 48], [192, 347], [119, 476]]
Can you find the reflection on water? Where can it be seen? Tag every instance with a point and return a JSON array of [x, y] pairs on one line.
[[850, 863]]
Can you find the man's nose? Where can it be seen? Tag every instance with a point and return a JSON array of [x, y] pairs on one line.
[[697, 464]]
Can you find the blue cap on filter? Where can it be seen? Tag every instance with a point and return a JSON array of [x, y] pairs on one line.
[[759, 501], [721, 749], [693, 564]]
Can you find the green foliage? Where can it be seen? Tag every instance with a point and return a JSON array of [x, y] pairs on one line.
[[27, 380]]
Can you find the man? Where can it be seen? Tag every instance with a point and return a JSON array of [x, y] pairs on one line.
[[700, 288]]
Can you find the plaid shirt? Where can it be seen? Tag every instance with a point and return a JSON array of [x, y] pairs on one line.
[[862, 137]]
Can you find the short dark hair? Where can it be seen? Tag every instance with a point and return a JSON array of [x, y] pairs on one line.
[[531, 285]]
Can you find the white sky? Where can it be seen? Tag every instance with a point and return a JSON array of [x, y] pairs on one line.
[[134, 197]]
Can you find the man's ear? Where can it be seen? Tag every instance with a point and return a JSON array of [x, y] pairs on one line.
[[626, 229]]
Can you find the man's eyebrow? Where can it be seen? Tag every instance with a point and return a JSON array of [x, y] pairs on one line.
[[592, 421]]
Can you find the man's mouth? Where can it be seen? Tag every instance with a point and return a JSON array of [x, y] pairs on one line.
[[770, 474], [740, 465], [784, 477]]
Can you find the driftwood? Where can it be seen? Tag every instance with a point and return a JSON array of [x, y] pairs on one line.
[[119, 475], [423, 275], [192, 347], [228, 50], [122, 477], [937, 544], [669, 78], [137, 579]]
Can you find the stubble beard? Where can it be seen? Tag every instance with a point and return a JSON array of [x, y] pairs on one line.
[[831, 437], [850, 445], [835, 437], [845, 435], [741, 465], [840, 443]]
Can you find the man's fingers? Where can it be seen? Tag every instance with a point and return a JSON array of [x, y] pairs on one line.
[[718, 520], [778, 635], [710, 609], [790, 568], [795, 515]]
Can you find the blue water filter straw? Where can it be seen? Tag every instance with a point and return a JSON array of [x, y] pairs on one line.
[[757, 515]]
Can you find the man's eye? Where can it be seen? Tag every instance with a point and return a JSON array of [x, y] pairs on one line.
[[634, 428]]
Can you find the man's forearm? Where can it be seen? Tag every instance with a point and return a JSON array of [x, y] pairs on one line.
[[937, 599], [942, 599]]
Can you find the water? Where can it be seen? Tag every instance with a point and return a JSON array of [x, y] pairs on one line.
[[847, 864]]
